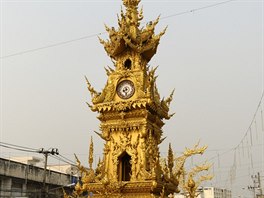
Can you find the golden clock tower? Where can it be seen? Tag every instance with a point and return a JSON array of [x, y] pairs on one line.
[[131, 113]]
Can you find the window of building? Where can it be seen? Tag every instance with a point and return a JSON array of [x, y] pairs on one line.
[[16, 189]]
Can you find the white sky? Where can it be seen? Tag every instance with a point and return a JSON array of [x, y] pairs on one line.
[[212, 57]]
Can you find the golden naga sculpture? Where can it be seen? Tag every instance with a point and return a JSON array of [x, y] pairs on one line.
[[174, 170], [190, 181]]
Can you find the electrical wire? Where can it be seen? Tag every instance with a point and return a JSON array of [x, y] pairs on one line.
[[247, 131], [61, 159], [253, 119], [98, 34], [65, 158], [251, 166], [18, 148], [52, 45], [197, 9], [32, 150], [249, 146]]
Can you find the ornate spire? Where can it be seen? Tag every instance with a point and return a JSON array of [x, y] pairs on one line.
[[130, 36], [170, 159], [91, 154]]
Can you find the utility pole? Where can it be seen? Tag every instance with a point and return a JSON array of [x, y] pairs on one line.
[[256, 185], [52, 151], [260, 187], [252, 188]]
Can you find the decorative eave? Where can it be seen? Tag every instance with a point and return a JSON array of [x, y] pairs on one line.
[[119, 106], [161, 109]]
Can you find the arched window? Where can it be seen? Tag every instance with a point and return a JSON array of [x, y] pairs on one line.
[[128, 64], [124, 167]]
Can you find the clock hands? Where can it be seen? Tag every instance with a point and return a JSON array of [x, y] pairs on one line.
[[125, 89]]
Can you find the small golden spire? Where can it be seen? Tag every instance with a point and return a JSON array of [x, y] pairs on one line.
[[91, 150], [90, 88], [169, 99], [170, 159]]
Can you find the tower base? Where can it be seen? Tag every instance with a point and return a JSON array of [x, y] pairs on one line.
[[139, 189]]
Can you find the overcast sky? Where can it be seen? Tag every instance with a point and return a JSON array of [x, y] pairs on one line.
[[213, 57]]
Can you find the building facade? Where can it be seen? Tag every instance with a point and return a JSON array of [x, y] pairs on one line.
[[26, 180], [210, 192]]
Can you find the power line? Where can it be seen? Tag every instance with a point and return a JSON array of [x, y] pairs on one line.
[[52, 45], [41, 150], [98, 34], [253, 119], [240, 144], [61, 159], [234, 148], [65, 158], [197, 9], [14, 145], [33, 150], [18, 148]]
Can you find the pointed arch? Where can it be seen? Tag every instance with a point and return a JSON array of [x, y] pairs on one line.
[[124, 167]]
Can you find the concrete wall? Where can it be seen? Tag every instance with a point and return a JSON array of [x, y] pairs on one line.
[[18, 179], [29, 172]]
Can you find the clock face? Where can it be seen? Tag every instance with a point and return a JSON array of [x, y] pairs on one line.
[[125, 89]]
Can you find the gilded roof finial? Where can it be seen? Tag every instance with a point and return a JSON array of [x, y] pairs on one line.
[[90, 88], [169, 99], [130, 36], [131, 3]]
